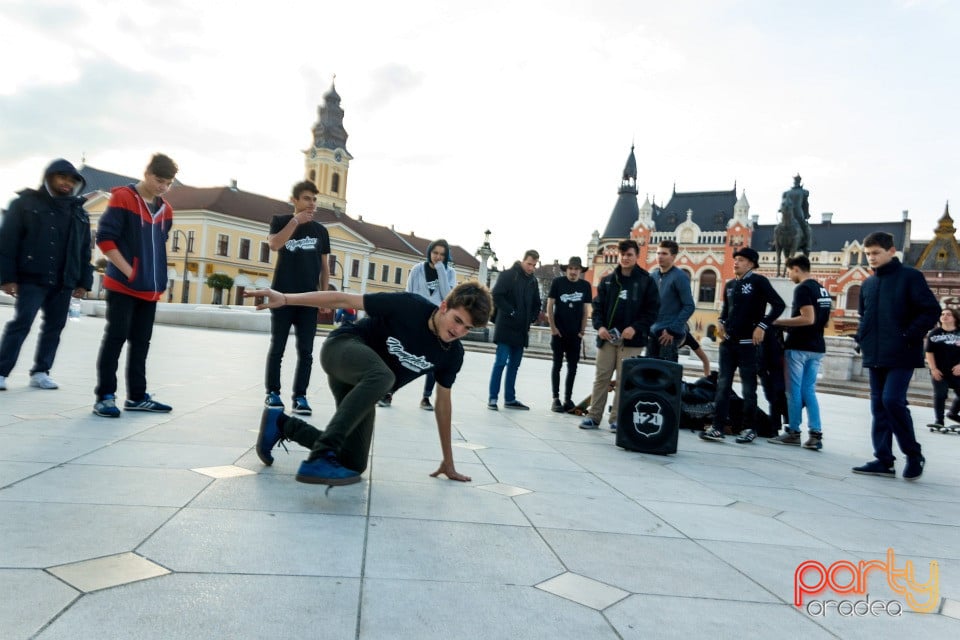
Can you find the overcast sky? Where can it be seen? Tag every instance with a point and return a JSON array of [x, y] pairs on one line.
[[511, 116]]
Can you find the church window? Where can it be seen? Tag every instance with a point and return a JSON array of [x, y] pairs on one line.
[[335, 183], [313, 176], [853, 298], [708, 287]]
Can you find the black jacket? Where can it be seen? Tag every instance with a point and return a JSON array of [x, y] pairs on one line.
[[744, 308], [627, 301], [25, 247], [897, 309], [516, 300]]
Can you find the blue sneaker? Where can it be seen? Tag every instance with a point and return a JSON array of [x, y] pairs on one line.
[[147, 404], [269, 435], [301, 406], [613, 426], [273, 400], [589, 423], [326, 470], [107, 407]]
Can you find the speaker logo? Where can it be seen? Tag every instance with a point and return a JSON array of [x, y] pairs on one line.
[[648, 418]]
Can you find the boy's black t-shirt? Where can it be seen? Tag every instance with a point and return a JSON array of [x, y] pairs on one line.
[[396, 328], [809, 338], [431, 277], [299, 259], [569, 298], [945, 347]]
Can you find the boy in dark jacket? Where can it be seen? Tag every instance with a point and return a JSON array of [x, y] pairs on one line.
[[44, 260], [624, 309], [516, 297], [897, 309], [132, 235], [744, 321]]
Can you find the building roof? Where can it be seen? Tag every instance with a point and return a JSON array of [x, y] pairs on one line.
[[100, 180], [832, 237], [711, 210], [229, 201], [626, 210]]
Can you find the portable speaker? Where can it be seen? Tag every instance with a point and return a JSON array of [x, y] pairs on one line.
[[649, 405]]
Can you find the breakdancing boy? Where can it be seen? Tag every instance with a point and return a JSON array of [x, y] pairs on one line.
[[402, 337]]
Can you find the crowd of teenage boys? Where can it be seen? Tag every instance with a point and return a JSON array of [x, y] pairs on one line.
[[45, 255]]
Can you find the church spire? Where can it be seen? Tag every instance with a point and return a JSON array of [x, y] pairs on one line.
[[328, 132]]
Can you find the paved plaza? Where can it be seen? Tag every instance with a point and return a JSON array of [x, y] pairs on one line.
[[167, 526]]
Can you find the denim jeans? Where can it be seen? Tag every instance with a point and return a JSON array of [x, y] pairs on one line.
[[30, 299], [802, 368], [509, 357], [891, 417], [744, 357], [304, 322]]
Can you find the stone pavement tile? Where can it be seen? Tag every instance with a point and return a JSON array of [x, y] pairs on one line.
[[38, 448], [659, 483], [276, 493], [427, 610], [581, 589], [651, 564], [43, 534], [110, 571], [29, 599], [443, 500], [580, 483], [460, 552], [565, 431], [167, 455], [779, 499], [415, 470], [225, 471], [513, 440], [87, 484], [397, 446], [74, 428], [188, 607], [281, 543], [508, 490], [612, 459], [908, 625], [719, 471], [613, 514], [863, 534], [706, 522], [11, 472], [190, 429], [884, 508], [544, 461], [668, 617]]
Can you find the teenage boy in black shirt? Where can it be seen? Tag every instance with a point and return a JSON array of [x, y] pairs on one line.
[[743, 325], [568, 308], [402, 337], [804, 349], [302, 247]]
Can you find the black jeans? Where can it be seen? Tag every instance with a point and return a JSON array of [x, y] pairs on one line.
[[663, 352], [564, 347], [941, 389], [129, 320], [304, 319], [30, 299], [358, 378], [733, 356]]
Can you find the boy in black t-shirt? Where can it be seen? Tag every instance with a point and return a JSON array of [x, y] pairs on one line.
[[402, 337], [302, 247], [804, 349], [568, 309]]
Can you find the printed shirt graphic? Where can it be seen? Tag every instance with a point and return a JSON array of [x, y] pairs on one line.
[[299, 259], [568, 300], [945, 347], [809, 338], [431, 277], [396, 328]]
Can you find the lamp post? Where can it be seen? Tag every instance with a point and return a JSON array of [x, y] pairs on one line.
[[186, 254], [485, 252]]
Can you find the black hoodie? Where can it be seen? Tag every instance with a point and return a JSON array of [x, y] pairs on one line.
[[45, 239]]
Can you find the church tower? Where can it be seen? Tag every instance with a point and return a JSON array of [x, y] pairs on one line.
[[327, 161]]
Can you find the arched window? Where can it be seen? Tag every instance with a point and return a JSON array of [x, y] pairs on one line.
[[313, 176], [708, 287], [335, 183], [853, 298]]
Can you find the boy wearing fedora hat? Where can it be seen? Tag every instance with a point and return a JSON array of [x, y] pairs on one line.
[[568, 308], [744, 321]]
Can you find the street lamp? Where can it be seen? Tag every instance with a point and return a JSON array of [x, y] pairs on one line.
[[485, 252], [186, 254]]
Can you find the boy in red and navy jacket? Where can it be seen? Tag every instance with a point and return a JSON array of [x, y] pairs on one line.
[[132, 234]]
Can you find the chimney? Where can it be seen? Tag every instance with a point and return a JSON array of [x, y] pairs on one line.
[[233, 184], [827, 217], [906, 215]]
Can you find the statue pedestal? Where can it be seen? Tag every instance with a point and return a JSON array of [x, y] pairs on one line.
[[784, 287]]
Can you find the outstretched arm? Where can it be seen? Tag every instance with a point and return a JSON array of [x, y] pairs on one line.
[[443, 410], [319, 299]]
